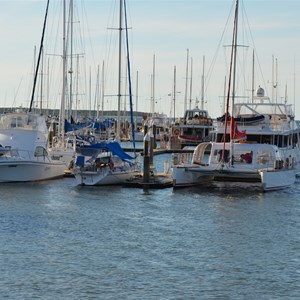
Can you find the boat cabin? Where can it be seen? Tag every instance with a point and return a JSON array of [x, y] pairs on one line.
[[197, 116]]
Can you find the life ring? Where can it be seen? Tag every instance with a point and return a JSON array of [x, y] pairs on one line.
[[55, 140], [176, 131]]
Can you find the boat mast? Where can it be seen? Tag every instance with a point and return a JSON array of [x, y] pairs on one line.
[[235, 56], [136, 98], [129, 79], [120, 70], [102, 89], [153, 87], [64, 83], [186, 79], [232, 65], [202, 85], [39, 58], [97, 100], [42, 74], [252, 89], [191, 84], [234, 75], [71, 59]]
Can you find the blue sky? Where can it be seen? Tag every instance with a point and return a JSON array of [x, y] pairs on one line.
[[163, 28]]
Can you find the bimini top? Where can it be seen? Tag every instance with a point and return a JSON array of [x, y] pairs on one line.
[[114, 147]]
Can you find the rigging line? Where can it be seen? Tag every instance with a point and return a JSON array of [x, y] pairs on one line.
[[254, 47], [39, 58], [82, 33], [210, 69], [110, 39]]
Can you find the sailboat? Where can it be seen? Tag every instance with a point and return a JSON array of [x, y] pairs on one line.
[[106, 163], [262, 154], [66, 135], [23, 143]]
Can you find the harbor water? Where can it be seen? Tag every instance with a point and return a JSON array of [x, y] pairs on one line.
[[63, 241]]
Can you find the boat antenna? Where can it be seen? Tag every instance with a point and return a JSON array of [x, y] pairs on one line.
[[39, 57]]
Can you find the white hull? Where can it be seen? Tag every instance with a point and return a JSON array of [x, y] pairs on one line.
[[274, 180], [104, 176], [23, 171], [23, 154], [264, 171], [264, 180]]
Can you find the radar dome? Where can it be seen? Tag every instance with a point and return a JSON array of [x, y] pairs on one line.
[[260, 92]]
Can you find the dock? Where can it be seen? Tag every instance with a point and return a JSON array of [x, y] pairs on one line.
[[159, 181], [158, 151]]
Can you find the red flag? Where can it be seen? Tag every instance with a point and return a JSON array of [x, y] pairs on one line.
[[235, 134]]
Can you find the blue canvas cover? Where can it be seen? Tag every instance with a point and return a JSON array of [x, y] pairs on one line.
[[80, 161], [114, 147], [73, 127]]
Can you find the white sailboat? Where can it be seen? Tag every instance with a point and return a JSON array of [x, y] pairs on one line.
[[108, 164], [263, 152], [63, 147], [104, 163]]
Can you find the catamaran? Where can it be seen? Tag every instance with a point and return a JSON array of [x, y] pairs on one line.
[[261, 147]]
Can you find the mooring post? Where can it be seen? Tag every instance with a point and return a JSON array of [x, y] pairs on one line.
[[152, 142], [146, 171]]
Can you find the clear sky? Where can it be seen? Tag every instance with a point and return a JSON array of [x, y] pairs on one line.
[[164, 29]]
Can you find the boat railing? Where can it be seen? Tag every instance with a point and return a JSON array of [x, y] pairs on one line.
[[19, 154]]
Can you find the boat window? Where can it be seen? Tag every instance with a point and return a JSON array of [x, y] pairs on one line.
[[190, 115], [40, 151], [264, 157], [266, 139]]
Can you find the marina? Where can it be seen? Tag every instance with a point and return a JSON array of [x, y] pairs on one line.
[[129, 171]]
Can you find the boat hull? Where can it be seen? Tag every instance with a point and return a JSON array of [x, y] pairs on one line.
[[266, 180], [24, 171], [104, 176], [274, 180]]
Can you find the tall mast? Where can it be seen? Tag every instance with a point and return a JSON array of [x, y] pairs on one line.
[[252, 89], [174, 93], [97, 100], [39, 58], [202, 85], [235, 56], [186, 79], [120, 69], [64, 83], [232, 65], [42, 74], [153, 87], [71, 58], [191, 84], [102, 89], [136, 97]]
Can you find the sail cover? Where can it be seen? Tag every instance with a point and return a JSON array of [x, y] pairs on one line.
[[114, 147]]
